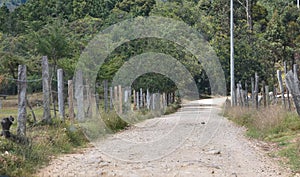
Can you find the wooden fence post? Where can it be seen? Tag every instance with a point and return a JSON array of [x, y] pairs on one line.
[[240, 93], [141, 97], [137, 101], [246, 95], [79, 96], [97, 100], [267, 95], [256, 90], [294, 89], [153, 101], [120, 100], [60, 93], [264, 93], [116, 98], [105, 85], [275, 94], [126, 99], [148, 99], [22, 86], [295, 70], [110, 98], [279, 75], [287, 90], [89, 92], [134, 99], [71, 100], [46, 90], [253, 92]]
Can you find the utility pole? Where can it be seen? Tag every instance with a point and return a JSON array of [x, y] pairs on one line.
[[298, 4], [232, 56]]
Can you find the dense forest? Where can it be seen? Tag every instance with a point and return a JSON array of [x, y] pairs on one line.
[[266, 34]]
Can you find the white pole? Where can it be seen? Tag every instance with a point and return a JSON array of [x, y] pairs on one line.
[[298, 4], [231, 55]]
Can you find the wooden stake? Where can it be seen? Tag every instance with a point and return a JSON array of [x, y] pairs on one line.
[[22, 114], [79, 96], [256, 90], [120, 100], [71, 100], [46, 90], [279, 76], [60, 93]]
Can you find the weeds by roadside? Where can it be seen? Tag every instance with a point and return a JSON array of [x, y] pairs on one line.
[[273, 125], [46, 141]]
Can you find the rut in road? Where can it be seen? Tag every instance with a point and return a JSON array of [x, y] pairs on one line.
[[195, 141]]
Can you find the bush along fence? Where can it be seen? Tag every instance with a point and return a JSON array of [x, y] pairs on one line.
[[287, 93], [83, 101]]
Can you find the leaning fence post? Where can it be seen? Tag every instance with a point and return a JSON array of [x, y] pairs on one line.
[[46, 90], [22, 85], [295, 70], [294, 89]]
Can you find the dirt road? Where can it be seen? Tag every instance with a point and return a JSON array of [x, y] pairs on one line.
[[195, 141]]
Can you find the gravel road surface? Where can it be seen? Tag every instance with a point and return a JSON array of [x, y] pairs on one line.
[[195, 141]]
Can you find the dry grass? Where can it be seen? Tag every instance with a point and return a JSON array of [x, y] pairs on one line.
[[274, 125], [258, 122]]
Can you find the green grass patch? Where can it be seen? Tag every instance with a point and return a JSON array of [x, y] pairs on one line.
[[291, 152]]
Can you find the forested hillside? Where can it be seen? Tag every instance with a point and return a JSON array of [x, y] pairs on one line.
[[266, 34]]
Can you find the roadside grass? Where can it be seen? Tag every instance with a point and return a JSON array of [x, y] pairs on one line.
[[48, 141], [273, 125], [110, 122]]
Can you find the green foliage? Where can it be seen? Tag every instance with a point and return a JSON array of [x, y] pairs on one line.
[[113, 121], [264, 38], [136, 7]]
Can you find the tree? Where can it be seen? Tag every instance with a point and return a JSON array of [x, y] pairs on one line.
[[4, 14]]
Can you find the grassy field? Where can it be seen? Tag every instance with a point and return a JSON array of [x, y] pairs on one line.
[[277, 127]]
